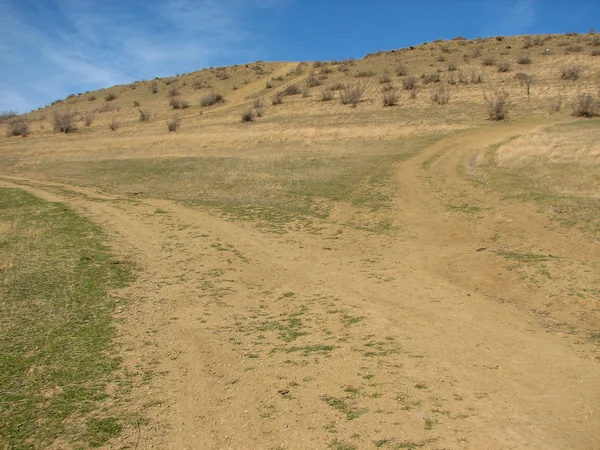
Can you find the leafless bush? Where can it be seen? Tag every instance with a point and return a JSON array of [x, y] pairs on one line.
[[351, 95], [312, 81], [452, 66], [144, 115], [413, 93], [433, 77], [441, 94], [385, 78], [498, 104], [305, 91], [257, 103], [573, 49], [390, 98], [174, 123], [7, 115], [488, 61], [110, 97], [365, 74], [114, 125], [337, 86], [595, 52], [570, 73], [524, 60], [409, 82], [248, 115], [173, 92], [88, 118], [327, 95], [586, 105], [17, 127], [525, 80], [259, 112], [136, 104], [476, 78], [292, 89], [503, 66], [401, 70], [178, 103], [64, 121], [555, 105], [269, 85], [211, 99], [154, 88], [91, 98], [387, 87], [278, 99]]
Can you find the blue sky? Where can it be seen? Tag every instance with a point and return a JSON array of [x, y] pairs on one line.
[[51, 48]]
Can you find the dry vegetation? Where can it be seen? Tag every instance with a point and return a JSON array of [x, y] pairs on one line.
[[403, 263]]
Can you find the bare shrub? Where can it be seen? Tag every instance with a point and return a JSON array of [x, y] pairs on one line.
[[498, 104], [555, 105], [387, 87], [178, 103], [318, 64], [365, 74], [257, 103], [327, 95], [433, 77], [586, 105], [503, 66], [413, 93], [144, 115], [570, 73], [595, 52], [259, 112], [174, 123], [91, 98], [384, 78], [248, 115], [173, 92], [292, 89], [476, 78], [269, 85], [390, 98], [154, 88], [409, 82], [452, 66], [212, 99], [488, 61], [278, 99], [337, 86], [440, 94], [305, 91], [401, 70], [312, 81], [524, 60], [17, 127], [64, 121], [573, 49], [110, 97], [5, 116], [136, 104], [114, 125], [351, 95], [88, 118]]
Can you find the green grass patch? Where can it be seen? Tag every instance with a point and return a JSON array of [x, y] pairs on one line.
[[55, 327], [341, 405]]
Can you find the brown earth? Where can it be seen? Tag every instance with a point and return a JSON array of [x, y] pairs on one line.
[[421, 337]]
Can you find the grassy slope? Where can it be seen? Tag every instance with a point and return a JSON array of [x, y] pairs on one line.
[[56, 334]]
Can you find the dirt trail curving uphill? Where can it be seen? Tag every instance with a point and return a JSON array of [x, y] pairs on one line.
[[423, 337]]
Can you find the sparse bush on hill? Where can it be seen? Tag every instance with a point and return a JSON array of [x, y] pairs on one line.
[[498, 104], [586, 105], [312, 81], [248, 115], [178, 103], [384, 78], [7, 115], [573, 49], [110, 97], [337, 86], [211, 99], [595, 52], [174, 123], [277, 99], [351, 95], [88, 118], [488, 61], [401, 70], [476, 78], [17, 127], [305, 91], [390, 98], [173, 92], [570, 73], [91, 98], [429, 78], [257, 103], [269, 85], [524, 60], [409, 82], [114, 125], [64, 121], [452, 66], [144, 115], [136, 104], [440, 94], [318, 64], [154, 88], [387, 87], [327, 95], [503, 66], [365, 74], [292, 89]]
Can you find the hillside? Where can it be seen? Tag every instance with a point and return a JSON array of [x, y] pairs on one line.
[[398, 251]]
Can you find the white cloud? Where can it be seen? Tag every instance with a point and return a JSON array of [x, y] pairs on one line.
[[87, 45]]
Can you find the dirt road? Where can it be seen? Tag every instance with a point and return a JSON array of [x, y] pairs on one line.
[[421, 337]]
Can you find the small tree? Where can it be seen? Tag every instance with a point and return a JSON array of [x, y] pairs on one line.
[[525, 80], [64, 121]]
